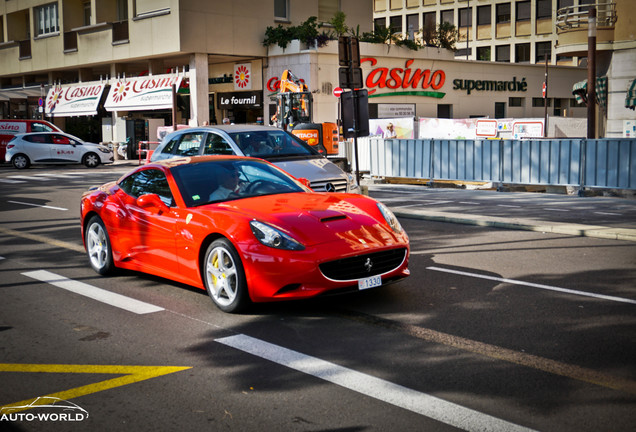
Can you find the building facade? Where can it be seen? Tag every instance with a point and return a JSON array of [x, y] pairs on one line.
[[509, 31]]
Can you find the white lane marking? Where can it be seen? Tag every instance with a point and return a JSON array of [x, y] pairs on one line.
[[56, 175], [534, 285], [607, 213], [21, 177], [394, 394], [508, 205], [469, 202], [554, 209], [4, 180], [38, 205], [95, 293]]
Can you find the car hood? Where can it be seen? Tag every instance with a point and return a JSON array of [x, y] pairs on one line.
[[315, 218], [313, 169]]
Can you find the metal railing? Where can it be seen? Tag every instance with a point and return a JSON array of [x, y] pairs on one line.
[[576, 17], [602, 163]]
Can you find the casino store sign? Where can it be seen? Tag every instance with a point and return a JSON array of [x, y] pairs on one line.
[[411, 81]]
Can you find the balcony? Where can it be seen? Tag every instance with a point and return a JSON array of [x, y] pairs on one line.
[[572, 28]]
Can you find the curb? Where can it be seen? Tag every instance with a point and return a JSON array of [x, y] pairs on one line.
[[579, 230]]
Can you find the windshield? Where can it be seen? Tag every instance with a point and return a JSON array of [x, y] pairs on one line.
[[271, 144], [216, 181]]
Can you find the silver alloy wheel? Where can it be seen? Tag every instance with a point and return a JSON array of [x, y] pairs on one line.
[[20, 161], [222, 277], [97, 246], [91, 160]]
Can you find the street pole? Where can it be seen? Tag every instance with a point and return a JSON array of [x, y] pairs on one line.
[[591, 74], [545, 99]]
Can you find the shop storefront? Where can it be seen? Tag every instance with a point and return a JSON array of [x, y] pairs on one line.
[[236, 92], [430, 83]]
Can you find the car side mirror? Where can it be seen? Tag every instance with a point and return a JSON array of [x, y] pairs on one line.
[[305, 182], [152, 203]]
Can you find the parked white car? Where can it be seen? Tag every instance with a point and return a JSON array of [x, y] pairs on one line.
[[55, 148], [272, 144]]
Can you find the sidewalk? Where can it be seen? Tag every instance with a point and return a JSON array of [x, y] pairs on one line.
[[599, 217]]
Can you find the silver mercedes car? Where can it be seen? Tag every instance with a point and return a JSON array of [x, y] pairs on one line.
[[272, 144]]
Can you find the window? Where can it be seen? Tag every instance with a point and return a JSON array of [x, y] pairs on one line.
[[503, 13], [466, 17], [429, 20], [327, 9], [544, 9], [502, 53], [87, 13], [396, 24], [444, 111], [522, 10], [515, 102], [281, 10], [447, 16], [542, 49], [412, 25], [379, 23], [483, 53], [216, 144], [483, 15], [40, 127], [500, 110], [379, 5], [564, 3], [150, 181], [190, 144], [522, 53], [46, 19], [538, 102]]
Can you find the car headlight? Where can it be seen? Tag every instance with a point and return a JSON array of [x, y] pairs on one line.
[[103, 149], [390, 218], [273, 237]]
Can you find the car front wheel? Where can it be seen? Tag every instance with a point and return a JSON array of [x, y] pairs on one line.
[[98, 247], [224, 277], [90, 160], [20, 161]]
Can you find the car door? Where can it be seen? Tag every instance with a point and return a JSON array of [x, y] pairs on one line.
[[145, 235], [190, 144], [64, 149], [215, 144], [37, 147]]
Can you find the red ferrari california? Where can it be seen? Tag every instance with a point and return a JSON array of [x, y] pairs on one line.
[[242, 229]]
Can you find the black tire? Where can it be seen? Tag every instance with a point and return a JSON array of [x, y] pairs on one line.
[[98, 248], [20, 161], [224, 277], [91, 160]]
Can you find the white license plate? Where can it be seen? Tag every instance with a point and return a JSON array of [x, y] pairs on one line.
[[369, 282]]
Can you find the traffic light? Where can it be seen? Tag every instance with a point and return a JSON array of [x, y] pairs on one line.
[[355, 113]]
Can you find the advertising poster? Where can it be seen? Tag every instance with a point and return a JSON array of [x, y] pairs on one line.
[[404, 127]]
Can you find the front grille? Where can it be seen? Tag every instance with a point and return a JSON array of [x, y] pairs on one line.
[[363, 266], [340, 185]]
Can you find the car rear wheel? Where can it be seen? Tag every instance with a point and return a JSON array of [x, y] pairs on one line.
[[20, 161], [98, 247], [224, 277], [91, 160]]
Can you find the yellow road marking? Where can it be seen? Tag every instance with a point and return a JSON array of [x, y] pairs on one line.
[[495, 352], [42, 239], [131, 374]]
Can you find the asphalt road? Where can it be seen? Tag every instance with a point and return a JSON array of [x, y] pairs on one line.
[[496, 329]]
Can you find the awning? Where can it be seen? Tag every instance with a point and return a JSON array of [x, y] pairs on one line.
[[579, 90], [74, 100], [630, 97], [145, 93], [20, 93]]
